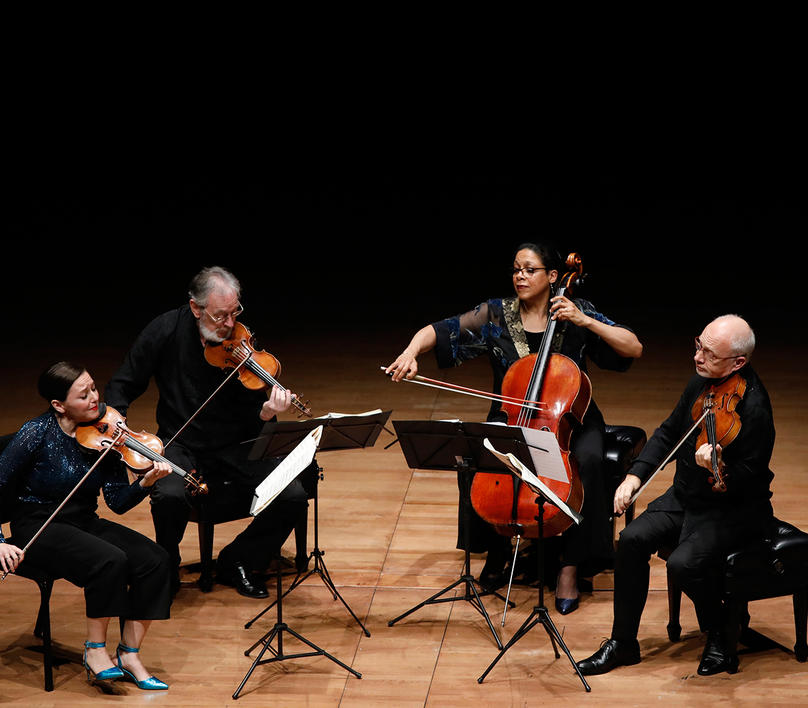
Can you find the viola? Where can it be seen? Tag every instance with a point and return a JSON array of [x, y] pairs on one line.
[[257, 369], [545, 391], [717, 405], [139, 451]]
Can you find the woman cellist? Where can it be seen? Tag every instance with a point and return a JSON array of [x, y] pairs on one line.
[[507, 330], [123, 573]]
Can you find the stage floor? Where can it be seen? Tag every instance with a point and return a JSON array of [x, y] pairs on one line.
[[389, 534]]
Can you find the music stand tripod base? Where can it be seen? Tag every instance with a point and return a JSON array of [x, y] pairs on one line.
[[276, 633], [539, 614], [318, 569], [341, 433], [471, 595]]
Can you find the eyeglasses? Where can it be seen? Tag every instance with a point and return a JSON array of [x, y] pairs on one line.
[[709, 356], [527, 271], [221, 318]]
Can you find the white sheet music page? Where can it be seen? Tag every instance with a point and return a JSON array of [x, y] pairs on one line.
[[545, 453], [330, 416], [513, 464], [291, 466]]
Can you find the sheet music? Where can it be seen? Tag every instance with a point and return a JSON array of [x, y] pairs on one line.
[[329, 416], [512, 463], [545, 453], [290, 467]]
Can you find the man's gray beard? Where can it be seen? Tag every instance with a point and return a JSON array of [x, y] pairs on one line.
[[210, 335]]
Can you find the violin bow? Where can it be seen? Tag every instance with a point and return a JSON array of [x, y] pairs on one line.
[[207, 400], [666, 460], [67, 498]]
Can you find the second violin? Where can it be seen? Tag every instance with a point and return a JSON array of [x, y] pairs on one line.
[[257, 369]]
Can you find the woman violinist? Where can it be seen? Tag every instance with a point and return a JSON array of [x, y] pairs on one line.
[[123, 573], [507, 330]]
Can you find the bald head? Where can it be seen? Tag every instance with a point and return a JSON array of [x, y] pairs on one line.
[[736, 333], [723, 347]]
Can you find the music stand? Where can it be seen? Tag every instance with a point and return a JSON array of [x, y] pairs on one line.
[[539, 614], [340, 432], [455, 445]]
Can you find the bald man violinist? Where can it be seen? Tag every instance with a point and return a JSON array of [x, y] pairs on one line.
[[171, 349], [702, 522]]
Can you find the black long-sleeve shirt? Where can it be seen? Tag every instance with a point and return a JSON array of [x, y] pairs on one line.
[[170, 350], [747, 474]]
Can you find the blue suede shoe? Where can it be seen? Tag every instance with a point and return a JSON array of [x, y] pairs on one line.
[[150, 684], [110, 674]]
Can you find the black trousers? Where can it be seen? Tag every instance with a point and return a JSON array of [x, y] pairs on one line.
[[701, 542], [123, 573], [231, 479]]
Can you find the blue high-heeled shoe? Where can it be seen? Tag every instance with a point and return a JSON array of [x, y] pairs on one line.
[[150, 684], [566, 605], [109, 674]]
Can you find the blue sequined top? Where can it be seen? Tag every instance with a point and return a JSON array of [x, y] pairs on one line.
[[42, 464]]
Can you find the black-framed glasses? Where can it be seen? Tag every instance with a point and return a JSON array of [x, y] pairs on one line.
[[526, 271], [710, 356], [221, 318]]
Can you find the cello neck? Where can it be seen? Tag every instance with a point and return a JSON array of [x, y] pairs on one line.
[[540, 367]]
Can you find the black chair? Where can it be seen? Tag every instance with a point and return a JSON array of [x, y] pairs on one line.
[[207, 515], [777, 566], [42, 628], [622, 445]]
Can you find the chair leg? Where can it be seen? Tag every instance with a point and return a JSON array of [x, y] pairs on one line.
[[674, 608], [301, 544], [43, 630], [800, 600], [206, 555]]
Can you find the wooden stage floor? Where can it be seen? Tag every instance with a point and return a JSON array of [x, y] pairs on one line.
[[388, 533]]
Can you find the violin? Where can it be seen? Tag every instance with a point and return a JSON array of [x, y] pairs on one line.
[[545, 391], [139, 451], [257, 369], [717, 405]]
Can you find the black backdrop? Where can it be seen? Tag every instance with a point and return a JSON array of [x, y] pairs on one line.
[[365, 251]]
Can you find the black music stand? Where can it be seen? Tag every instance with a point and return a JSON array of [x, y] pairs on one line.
[[339, 433], [455, 445], [539, 614]]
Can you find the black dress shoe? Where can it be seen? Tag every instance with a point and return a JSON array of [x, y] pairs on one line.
[[489, 582], [610, 655], [247, 585], [716, 658]]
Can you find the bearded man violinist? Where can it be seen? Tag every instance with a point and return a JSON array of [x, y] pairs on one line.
[[171, 349], [702, 521]]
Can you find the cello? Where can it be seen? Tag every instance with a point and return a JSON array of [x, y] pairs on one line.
[[564, 393]]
